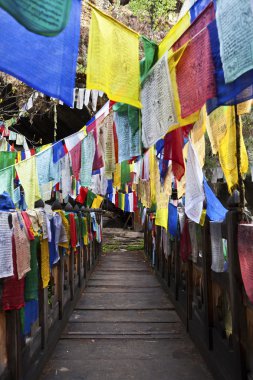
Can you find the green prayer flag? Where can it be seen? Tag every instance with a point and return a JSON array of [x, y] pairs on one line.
[[32, 277], [7, 181], [125, 173], [48, 17], [7, 159], [90, 198], [151, 57]]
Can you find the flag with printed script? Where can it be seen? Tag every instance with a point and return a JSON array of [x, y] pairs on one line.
[[48, 18], [113, 59], [235, 28], [46, 64]]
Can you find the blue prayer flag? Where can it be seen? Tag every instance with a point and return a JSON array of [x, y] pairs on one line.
[[127, 204], [215, 210], [46, 64], [232, 93], [58, 151], [198, 8], [109, 187], [172, 219], [31, 314]]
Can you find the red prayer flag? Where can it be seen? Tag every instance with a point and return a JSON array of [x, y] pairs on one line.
[[173, 150], [13, 296], [195, 75], [185, 242], [98, 162], [75, 154], [82, 195], [201, 22], [245, 251]]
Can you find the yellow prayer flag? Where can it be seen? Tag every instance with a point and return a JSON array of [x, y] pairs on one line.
[[198, 136], [45, 147], [227, 151], [97, 202], [202, 218], [113, 59], [27, 173], [174, 34], [161, 218], [244, 107], [117, 176], [152, 173], [65, 222], [216, 126], [44, 262], [122, 195]]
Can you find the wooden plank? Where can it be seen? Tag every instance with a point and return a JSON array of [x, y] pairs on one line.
[[207, 279], [61, 285], [236, 297], [162, 316], [13, 330], [124, 301]]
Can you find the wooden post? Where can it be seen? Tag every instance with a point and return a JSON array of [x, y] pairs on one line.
[[189, 292], [61, 284], [207, 280], [238, 158], [71, 274], [177, 268], [44, 316], [236, 296], [14, 352]]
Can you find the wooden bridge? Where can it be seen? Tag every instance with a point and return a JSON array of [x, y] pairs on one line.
[[125, 327], [124, 314]]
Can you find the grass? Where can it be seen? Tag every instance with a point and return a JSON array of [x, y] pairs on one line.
[[115, 246]]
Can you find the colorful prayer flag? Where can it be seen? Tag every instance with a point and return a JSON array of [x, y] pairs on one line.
[[235, 28], [46, 64], [48, 18], [113, 59], [158, 112]]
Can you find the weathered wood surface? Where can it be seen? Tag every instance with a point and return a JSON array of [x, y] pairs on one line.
[[125, 327]]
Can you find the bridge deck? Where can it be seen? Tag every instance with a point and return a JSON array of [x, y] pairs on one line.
[[125, 327]]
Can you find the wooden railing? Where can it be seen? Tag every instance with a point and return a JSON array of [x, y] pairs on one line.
[[23, 356], [213, 306]]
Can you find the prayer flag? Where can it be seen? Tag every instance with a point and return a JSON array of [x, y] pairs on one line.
[[196, 27], [245, 251], [87, 156], [27, 173], [97, 202], [173, 220], [173, 150], [7, 159], [46, 64], [174, 34], [215, 210], [161, 218], [7, 181], [227, 151], [197, 66], [232, 93], [235, 28], [48, 18], [158, 112], [113, 59], [194, 194], [151, 55], [217, 247]]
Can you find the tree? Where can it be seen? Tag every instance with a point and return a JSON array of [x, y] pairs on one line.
[[155, 10]]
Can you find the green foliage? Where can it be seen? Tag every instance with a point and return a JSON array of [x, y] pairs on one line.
[[155, 10], [211, 160]]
